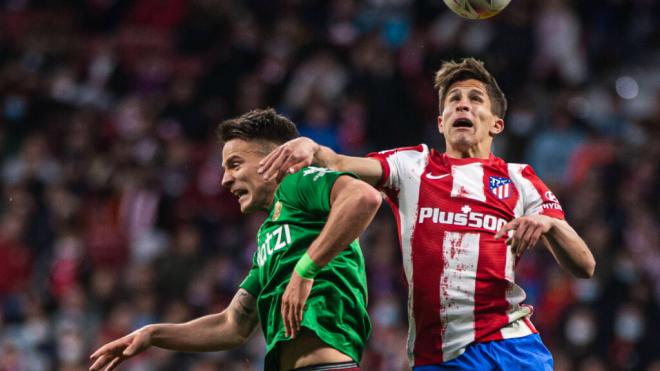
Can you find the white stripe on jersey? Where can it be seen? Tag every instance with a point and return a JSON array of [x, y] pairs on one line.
[[518, 211], [409, 178], [468, 181], [517, 328], [529, 196], [515, 294], [457, 291], [516, 176]]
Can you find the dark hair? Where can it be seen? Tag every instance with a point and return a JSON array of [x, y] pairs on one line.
[[470, 68], [258, 124]]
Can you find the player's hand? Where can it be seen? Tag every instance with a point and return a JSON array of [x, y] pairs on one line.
[[528, 231], [293, 303], [290, 157], [115, 352]]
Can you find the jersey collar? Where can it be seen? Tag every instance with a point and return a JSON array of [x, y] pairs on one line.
[[449, 161]]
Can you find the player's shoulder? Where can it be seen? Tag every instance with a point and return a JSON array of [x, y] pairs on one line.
[[522, 169], [308, 174], [407, 151], [420, 148]]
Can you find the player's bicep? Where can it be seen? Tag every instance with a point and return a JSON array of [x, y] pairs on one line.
[[344, 184], [310, 191], [242, 313]]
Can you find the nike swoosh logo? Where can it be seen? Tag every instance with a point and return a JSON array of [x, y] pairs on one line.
[[435, 177]]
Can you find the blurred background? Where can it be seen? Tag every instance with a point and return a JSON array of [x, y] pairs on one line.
[[112, 216]]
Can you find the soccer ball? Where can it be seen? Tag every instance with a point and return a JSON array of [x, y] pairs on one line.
[[476, 9]]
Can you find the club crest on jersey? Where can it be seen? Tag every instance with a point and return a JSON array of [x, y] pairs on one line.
[[277, 211], [500, 187]]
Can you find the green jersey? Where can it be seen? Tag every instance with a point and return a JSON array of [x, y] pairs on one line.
[[336, 307]]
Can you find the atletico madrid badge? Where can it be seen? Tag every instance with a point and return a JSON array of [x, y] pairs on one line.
[[500, 187]]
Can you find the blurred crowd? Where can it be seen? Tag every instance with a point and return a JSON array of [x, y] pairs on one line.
[[112, 216]]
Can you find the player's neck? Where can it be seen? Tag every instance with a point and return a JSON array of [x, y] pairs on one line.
[[270, 202], [266, 204], [472, 152]]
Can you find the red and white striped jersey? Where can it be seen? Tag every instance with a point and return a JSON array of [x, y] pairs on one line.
[[460, 279]]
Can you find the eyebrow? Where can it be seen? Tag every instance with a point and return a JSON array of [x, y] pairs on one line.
[[473, 90], [229, 159]]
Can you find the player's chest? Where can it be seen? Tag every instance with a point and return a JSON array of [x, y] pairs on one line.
[[466, 197], [272, 239], [284, 228]]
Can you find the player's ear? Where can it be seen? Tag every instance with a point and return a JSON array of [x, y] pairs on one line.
[[497, 126], [440, 127]]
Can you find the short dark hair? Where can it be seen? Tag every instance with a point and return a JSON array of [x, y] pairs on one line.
[[470, 68], [259, 124]]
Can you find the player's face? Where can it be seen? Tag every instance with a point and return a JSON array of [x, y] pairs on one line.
[[240, 159], [467, 119]]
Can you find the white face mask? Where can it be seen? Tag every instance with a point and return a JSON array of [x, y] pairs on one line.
[[580, 329], [587, 291], [387, 313], [626, 270], [629, 324], [70, 347]]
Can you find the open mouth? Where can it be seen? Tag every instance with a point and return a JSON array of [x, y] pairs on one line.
[[239, 193], [463, 123]]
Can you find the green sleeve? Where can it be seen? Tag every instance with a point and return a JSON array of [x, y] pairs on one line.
[[309, 189], [251, 281]]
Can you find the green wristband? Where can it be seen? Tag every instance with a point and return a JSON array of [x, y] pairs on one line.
[[306, 268]]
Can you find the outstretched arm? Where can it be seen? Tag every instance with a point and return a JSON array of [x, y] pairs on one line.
[[297, 153], [228, 329], [569, 250], [353, 206]]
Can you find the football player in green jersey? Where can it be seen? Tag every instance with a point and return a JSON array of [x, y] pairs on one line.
[[307, 253]]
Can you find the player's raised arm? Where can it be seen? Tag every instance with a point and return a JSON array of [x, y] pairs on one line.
[[226, 330], [295, 154], [353, 204]]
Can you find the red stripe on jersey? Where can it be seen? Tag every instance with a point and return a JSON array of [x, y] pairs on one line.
[[490, 303], [428, 341], [391, 196], [530, 325], [384, 165], [428, 265]]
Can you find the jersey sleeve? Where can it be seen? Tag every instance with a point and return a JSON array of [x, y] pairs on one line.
[[310, 188], [394, 162], [538, 198], [251, 281]]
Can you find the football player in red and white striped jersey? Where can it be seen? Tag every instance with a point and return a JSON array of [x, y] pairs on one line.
[[464, 219]]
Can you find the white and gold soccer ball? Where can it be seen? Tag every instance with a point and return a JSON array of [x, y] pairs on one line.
[[476, 9]]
